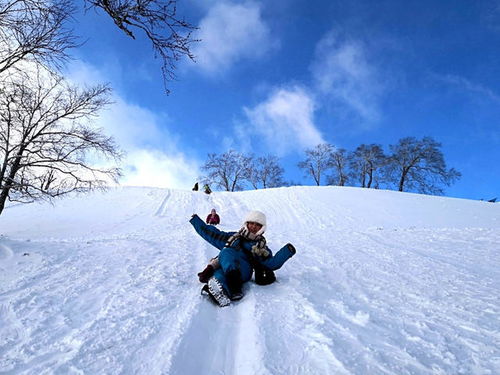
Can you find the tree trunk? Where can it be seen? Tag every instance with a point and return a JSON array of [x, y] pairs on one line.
[[226, 183], [3, 198], [8, 185], [402, 180], [370, 178]]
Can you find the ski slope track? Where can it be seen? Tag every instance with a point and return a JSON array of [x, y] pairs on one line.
[[382, 283]]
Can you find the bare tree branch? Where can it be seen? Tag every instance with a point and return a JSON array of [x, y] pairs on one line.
[[169, 35], [317, 161], [338, 162], [266, 172], [419, 164], [35, 30], [228, 170], [38, 30], [48, 141], [366, 162]]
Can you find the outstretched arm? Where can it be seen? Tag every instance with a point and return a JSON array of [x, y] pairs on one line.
[[209, 233], [276, 261]]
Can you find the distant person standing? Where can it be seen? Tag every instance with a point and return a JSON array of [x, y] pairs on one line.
[[195, 187], [213, 218]]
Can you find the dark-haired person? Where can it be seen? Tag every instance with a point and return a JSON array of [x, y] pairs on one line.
[[213, 218]]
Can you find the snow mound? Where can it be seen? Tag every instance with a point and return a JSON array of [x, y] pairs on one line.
[[382, 283]]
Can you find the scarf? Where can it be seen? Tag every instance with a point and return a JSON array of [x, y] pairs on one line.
[[259, 249]]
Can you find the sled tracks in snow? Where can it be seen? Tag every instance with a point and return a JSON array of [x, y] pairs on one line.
[[225, 340], [5, 252], [161, 210]]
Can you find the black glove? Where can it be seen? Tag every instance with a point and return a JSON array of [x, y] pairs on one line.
[[291, 248], [264, 276]]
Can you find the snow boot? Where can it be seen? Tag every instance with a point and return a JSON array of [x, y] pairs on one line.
[[206, 292], [216, 291], [206, 274], [234, 283]]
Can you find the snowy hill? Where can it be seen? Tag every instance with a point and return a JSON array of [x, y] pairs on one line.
[[382, 283]]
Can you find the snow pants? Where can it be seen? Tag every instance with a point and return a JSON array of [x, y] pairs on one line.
[[232, 259]]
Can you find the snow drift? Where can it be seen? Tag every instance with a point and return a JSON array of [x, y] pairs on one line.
[[382, 283]]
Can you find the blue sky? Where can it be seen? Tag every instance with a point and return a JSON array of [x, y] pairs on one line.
[[284, 75]]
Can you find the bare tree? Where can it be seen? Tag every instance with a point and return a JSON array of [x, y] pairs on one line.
[[46, 138], [419, 164], [169, 35], [228, 170], [365, 162], [36, 31], [317, 161], [338, 161], [266, 172]]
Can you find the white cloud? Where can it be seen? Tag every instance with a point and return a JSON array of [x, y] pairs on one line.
[[285, 120], [152, 156], [469, 86], [229, 33], [156, 168], [342, 72], [133, 126]]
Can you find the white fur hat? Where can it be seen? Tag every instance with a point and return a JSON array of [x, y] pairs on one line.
[[257, 217]]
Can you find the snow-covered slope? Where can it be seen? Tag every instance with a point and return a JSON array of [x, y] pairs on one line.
[[382, 283]]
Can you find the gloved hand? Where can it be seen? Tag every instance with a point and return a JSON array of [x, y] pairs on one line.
[[291, 248], [261, 252], [264, 276]]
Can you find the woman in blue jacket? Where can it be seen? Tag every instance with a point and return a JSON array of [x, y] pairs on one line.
[[240, 253]]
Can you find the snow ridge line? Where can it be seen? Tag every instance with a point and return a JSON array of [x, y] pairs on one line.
[[161, 209], [5, 252]]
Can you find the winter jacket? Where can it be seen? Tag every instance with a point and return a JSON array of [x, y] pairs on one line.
[[239, 254], [213, 219]]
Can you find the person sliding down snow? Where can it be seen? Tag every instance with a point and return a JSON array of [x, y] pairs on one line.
[[240, 252], [262, 276], [213, 218]]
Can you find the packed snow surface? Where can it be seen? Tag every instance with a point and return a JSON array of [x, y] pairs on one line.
[[382, 283]]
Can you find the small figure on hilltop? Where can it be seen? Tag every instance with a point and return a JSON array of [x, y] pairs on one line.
[[207, 189], [195, 187], [240, 253], [213, 218]]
